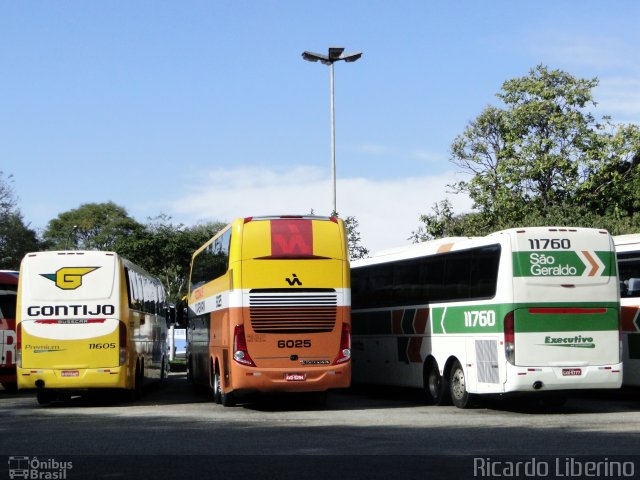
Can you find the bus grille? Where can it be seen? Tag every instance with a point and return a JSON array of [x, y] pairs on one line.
[[286, 313]]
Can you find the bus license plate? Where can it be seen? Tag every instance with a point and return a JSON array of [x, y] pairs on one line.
[[70, 373], [295, 377], [571, 372]]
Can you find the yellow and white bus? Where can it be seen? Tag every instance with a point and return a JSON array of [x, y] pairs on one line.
[[628, 254], [520, 310], [269, 307], [88, 320]]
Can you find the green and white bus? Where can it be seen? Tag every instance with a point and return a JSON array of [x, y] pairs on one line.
[[520, 310]]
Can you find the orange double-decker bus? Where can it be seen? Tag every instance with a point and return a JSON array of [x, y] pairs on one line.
[[269, 308]]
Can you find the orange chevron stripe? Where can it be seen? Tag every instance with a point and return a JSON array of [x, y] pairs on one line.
[[420, 321], [445, 247], [413, 350], [593, 263]]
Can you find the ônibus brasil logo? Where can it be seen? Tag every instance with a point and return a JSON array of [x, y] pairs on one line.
[[69, 278], [572, 342]]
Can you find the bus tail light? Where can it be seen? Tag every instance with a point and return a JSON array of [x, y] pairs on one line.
[[240, 352], [122, 338], [344, 355], [509, 338], [19, 345]]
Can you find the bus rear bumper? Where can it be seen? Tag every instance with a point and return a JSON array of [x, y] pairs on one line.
[[291, 379], [525, 379], [72, 379]]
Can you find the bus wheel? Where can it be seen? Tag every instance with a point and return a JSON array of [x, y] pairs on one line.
[[459, 394], [217, 389], [227, 399], [436, 386], [136, 393], [10, 386], [44, 398], [555, 400]]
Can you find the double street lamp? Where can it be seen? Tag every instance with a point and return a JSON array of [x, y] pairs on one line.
[[335, 54]]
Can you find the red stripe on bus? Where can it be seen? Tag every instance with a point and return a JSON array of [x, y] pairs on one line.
[[569, 311], [51, 322]]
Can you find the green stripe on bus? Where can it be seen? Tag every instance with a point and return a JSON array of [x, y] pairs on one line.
[[469, 318], [527, 321], [490, 318]]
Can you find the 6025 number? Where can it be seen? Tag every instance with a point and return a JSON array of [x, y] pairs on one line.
[[294, 343]]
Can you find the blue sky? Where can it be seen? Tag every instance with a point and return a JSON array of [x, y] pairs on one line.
[[205, 110]]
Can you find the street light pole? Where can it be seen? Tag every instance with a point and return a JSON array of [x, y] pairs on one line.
[[333, 145], [335, 54]]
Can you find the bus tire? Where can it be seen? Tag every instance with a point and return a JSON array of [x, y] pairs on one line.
[[10, 387], [136, 393], [554, 400], [44, 398], [436, 386], [217, 388], [458, 388], [227, 399]]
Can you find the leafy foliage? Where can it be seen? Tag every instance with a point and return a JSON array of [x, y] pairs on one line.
[[165, 250], [543, 159], [16, 238], [160, 247], [92, 226], [354, 242]]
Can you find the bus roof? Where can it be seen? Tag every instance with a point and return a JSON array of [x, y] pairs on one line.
[[422, 248], [8, 276], [628, 239], [443, 245], [241, 221]]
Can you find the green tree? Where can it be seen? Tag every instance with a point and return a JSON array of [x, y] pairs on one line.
[[354, 241], [165, 249], [612, 181], [543, 158], [92, 226], [16, 238], [160, 247]]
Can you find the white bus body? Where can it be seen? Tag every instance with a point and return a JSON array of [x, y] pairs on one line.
[[521, 310]]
